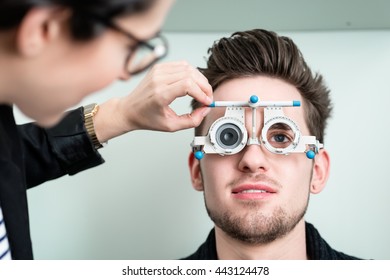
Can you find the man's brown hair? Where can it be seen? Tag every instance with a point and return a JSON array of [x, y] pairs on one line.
[[261, 52]]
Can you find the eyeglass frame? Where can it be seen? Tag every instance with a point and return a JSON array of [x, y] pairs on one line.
[[109, 23], [235, 115]]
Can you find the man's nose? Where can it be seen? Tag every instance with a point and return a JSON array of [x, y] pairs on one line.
[[253, 159]]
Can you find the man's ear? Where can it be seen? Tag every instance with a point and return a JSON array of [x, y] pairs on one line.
[[38, 28], [321, 170], [196, 174]]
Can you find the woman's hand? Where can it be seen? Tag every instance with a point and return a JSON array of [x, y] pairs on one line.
[[147, 107]]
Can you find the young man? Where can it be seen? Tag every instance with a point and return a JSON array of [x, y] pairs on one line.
[[257, 192], [53, 53]]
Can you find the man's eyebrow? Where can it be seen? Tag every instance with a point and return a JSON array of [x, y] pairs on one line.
[[281, 126]]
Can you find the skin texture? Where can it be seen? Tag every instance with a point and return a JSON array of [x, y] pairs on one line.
[[44, 72], [259, 225]]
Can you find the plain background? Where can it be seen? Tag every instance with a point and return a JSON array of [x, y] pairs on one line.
[[140, 204]]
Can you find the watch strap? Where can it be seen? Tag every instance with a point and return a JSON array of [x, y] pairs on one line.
[[89, 112]]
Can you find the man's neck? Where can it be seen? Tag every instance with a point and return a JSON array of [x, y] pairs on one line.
[[289, 247]]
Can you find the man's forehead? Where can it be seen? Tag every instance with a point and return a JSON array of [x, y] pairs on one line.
[[266, 88]]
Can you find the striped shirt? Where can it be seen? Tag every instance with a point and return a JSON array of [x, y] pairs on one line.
[[5, 253]]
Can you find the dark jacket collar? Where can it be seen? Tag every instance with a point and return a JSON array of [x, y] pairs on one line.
[[316, 246]]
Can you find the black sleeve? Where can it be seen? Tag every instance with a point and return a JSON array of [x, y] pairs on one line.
[[63, 149]]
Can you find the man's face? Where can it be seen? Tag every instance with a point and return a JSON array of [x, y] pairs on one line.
[[255, 196]]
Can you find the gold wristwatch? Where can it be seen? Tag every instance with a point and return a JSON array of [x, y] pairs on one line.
[[89, 112]]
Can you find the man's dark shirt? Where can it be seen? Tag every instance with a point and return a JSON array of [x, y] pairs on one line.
[[316, 246]]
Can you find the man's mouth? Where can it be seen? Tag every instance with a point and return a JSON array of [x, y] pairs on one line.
[[251, 191]]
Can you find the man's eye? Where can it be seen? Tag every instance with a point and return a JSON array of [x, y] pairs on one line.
[[280, 138]]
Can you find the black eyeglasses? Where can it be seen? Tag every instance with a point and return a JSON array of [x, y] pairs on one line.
[[144, 53]]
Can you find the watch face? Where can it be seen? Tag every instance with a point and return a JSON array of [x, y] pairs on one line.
[[91, 109]]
